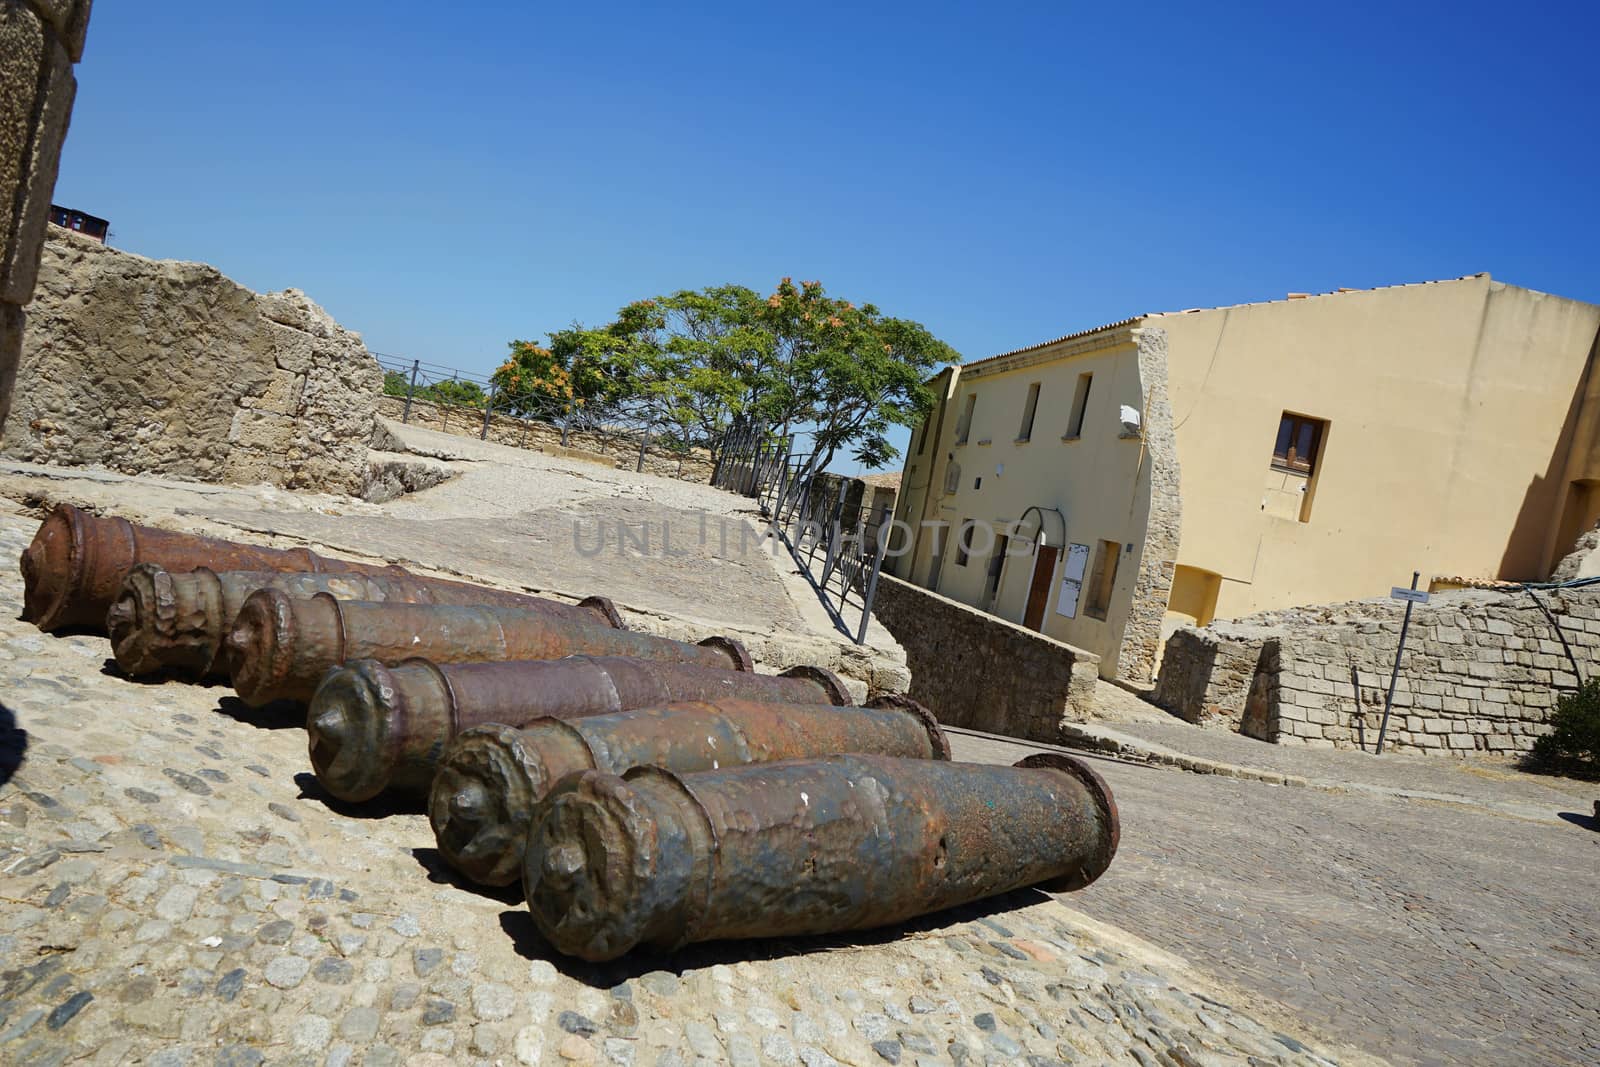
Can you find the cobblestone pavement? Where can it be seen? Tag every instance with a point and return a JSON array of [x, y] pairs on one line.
[[1432, 933], [177, 890]]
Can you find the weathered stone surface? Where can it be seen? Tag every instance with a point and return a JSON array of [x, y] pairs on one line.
[[952, 648], [1482, 670], [12, 320], [70, 21], [36, 91], [618, 452], [161, 366]]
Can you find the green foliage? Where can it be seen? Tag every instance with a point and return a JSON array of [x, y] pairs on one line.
[[689, 362], [1572, 747], [580, 368], [450, 391]]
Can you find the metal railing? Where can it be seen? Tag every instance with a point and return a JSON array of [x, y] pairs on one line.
[[825, 521]]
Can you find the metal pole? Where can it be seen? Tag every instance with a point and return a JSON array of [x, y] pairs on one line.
[[644, 443], [1394, 676], [880, 550], [488, 408], [410, 390]]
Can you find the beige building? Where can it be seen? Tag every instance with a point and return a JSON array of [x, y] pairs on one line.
[[1178, 467]]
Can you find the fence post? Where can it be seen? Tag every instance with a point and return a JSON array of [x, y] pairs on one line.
[[644, 442], [488, 409], [410, 390]]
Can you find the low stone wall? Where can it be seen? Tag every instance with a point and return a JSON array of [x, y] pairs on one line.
[[152, 366], [1206, 674], [542, 437], [1482, 671], [974, 670]]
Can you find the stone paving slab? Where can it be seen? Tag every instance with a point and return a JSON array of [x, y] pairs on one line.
[[176, 889]]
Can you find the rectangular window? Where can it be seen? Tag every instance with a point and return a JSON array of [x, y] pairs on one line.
[[1028, 409], [1080, 404], [1299, 439], [1104, 579], [964, 542], [965, 426]]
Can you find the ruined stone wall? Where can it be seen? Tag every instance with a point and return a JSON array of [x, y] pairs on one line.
[[617, 452], [1482, 671], [1206, 673], [975, 670], [40, 40], [158, 366]]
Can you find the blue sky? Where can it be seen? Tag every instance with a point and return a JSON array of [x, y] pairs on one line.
[[444, 180]]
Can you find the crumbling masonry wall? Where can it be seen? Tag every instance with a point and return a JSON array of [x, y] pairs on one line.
[[1482, 670], [40, 40], [695, 466], [158, 366], [953, 652]]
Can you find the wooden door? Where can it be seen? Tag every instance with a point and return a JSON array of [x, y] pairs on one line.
[[1044, 568]]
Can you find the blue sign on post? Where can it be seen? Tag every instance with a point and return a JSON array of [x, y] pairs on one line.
[[1415, 596]]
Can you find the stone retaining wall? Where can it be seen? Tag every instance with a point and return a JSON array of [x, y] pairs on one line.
[[542, 437], [1482, 671], [151, 366], [974, 670]]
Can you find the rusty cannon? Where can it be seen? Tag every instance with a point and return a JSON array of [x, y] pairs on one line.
[[492, 777], [375, 728], [659, 859], [75, 565], [280, 647], [162, 620]]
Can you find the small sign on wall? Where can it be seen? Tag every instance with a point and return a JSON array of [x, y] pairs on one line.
[[1072, 580]]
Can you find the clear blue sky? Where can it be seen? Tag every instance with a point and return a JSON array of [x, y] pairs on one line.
[[444, 179]]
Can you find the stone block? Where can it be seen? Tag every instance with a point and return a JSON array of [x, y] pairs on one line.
[[36, 90], [282, 396], [1436, 726], [69, 19], [1461, 742], [291, 348]]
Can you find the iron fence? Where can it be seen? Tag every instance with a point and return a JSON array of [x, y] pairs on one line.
[[825, 521]]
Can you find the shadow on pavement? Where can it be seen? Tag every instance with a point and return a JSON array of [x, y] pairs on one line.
[[1577, 818], [279, 715], [380, 807], [531, 945], [441, 873], [13, 744]]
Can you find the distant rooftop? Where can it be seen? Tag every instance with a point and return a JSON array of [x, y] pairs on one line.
[[1221, 307]]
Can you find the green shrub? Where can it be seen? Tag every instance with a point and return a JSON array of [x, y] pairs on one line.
[[1572, 747]]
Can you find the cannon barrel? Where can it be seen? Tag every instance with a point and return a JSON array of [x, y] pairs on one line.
[[491, 777], [374, 727], [280, 647], [163, 620], [75, 565], [661, 859]]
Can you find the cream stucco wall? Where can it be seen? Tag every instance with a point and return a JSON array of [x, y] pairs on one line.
[[1462, 437], [1445, 402], [1095, 481]]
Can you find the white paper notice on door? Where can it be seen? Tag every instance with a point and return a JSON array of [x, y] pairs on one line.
[[1072, 580]]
